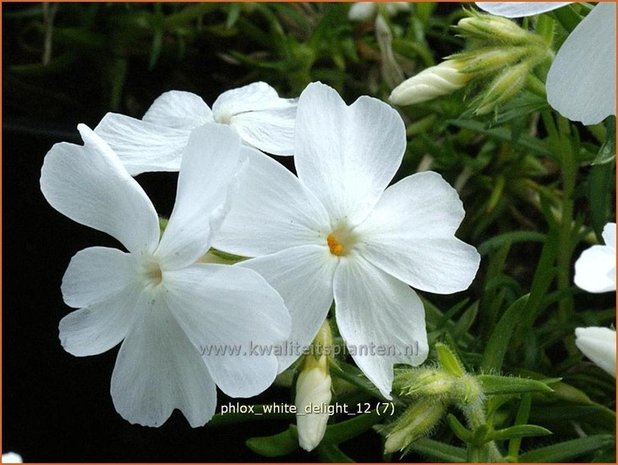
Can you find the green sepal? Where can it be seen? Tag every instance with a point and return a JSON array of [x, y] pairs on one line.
[[496, 385]]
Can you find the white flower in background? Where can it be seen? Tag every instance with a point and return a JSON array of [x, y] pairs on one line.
[[165, 308], [312, 392], [581, 83], [595, 269], [155, 143], [599, 345], [11, 457], [334, 231], [364, 11]]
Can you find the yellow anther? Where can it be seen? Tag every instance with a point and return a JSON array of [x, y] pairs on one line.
[[335, 247]]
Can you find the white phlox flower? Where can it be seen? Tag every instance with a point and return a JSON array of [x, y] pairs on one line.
[[337, 231], [599, 345], [155, 143], [166, 309], [11, 457], [581, 83], [595, 269], [364, 11]]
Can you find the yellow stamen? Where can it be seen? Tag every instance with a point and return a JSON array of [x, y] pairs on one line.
[[335, 247]]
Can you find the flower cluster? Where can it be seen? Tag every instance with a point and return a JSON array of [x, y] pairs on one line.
[[334, 232]]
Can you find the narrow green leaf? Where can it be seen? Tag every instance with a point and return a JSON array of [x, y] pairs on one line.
[[497, 241], [569, 450], [460, 430], [503, 134], [523, 413], [330, 453], [280, 444], [438, 450], [501, 336], [519, 431], [349, 429]]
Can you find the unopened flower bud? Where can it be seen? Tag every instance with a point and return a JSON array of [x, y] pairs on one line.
[[504, 87], [313, 394], [419, 382], [489, 59], [430, 83], [416, 422], [494, 29]]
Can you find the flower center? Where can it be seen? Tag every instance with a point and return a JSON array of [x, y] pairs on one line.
[[223, 117], [335, 247], [151, 273], [341, 242]]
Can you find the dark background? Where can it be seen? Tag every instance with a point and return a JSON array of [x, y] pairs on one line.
[[57, 407]]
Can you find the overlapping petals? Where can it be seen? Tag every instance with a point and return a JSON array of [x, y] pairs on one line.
[[362, 244], [156, 143], [166, 309]]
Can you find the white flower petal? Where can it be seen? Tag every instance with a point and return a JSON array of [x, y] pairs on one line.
[[89, 185], [609, 235], [226, 311], [143, 146], [209, 163], [271, 131], [362, 11], [581, 83], [346, 155], [303, 276], [381, 320], [180, 110], [271, 211], [257, 96], [519, 9], [410, 235], [595, 269], [159, 370], [599, 345], [11, 457], [95, 274], [101, 326]]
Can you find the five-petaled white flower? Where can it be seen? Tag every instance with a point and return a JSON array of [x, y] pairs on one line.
[[155, 143], [595, 269], [334, 231], [165, 306], [581, 83], [599, 345]]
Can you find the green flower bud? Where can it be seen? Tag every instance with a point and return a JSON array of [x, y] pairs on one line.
[[505, 86], [496, 30], [490, 59], [416, 422], [419, 382], [449, 361]]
